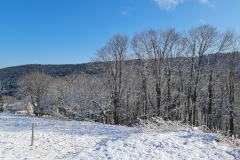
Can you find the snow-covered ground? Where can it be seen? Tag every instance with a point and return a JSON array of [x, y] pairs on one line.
[[91, 141]]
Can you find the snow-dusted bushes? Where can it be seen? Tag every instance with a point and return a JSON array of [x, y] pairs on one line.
[[160, 125]]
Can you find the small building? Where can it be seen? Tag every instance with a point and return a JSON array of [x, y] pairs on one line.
[[29, 109]]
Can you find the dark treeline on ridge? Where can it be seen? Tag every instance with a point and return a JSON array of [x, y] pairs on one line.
[[190, 76], [10, 76]]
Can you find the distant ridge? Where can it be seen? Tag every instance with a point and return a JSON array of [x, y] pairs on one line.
[[10, 75]]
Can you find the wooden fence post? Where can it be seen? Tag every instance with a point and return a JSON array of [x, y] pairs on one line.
[[32, 134]]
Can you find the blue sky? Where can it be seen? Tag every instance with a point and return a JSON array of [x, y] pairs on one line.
[[70, 31]]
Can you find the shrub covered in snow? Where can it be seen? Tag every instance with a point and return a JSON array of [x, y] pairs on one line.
[[160, 125]]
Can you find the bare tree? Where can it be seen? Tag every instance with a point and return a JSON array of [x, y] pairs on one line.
[[114, 53], [233, 73], [36, 86], [223, 44], [201, 41], [155, 51], [141, 47]]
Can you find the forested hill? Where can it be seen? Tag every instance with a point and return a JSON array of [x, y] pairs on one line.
[[9, 76]]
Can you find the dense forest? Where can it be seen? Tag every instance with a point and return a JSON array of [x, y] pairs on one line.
[[190, 76]]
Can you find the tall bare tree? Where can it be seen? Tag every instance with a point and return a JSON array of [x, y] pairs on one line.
[[201, 41], [114, 53], [155, 50], [233, 73]]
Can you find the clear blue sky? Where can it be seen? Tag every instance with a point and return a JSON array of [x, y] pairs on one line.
[[70, 31]]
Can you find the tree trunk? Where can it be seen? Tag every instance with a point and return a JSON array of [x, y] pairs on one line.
[[158, 91], [210, 103], [231, 102]]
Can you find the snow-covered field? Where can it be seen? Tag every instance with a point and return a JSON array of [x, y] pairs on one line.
[[91, 141]]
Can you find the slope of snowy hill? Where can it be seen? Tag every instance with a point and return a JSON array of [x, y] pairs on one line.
[[56, 139]]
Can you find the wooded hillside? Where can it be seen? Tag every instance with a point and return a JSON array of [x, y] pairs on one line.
[[9, 76], [191, 77]]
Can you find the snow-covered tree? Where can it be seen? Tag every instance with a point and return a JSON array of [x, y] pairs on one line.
[[36, 86]]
